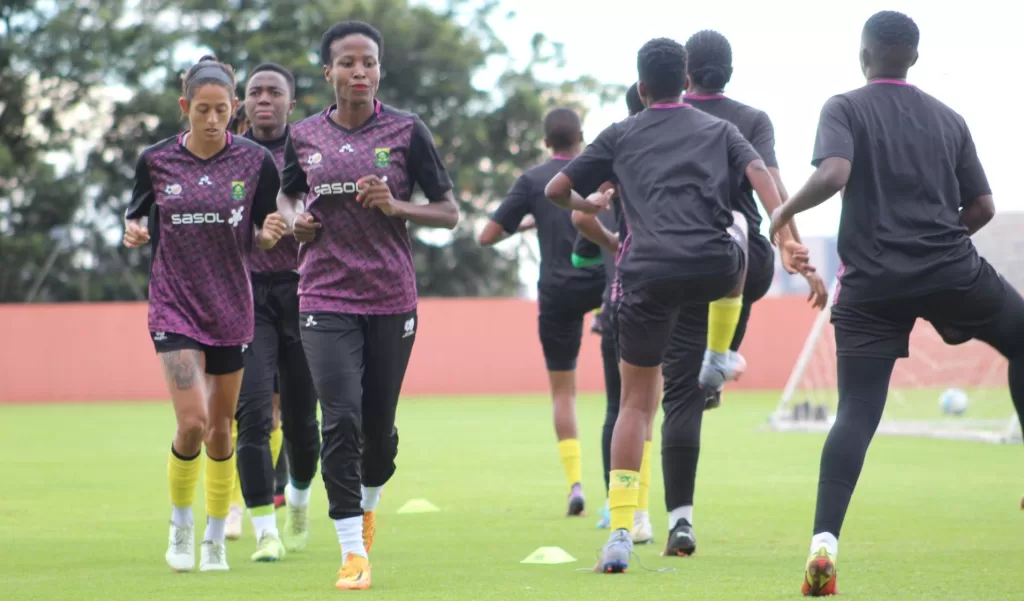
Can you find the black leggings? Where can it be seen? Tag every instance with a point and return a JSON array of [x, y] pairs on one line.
[[275, 353], [358, 363]]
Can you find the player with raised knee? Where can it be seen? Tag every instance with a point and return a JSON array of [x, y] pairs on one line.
[[599, 240], [276, 349], [358, 163], [709, 70], [913, 193], [205, 191], [676, 170], [566, 294]]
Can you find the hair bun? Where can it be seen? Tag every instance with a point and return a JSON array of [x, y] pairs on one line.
[[208, 57]]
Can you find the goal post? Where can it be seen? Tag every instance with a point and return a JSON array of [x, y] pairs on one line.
[[809, 400]]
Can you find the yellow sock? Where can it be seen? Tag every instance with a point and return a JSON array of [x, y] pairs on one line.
[[645, 478], [182, 476], [220, 480], [236, 490], [623, 495], [572, 461], [723, 315], [276, 442]]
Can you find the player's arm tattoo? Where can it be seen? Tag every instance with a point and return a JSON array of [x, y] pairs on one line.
[[182, 368]]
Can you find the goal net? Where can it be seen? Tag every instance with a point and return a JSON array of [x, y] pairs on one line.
[[913, 406]]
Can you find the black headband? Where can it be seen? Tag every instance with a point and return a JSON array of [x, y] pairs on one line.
[[213, 71]]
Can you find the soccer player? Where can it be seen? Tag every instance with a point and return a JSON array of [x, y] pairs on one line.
[[676, 169], [709, 69], [913, 192], [207, 189], [598, 241], [358, 162], [276, 348], [566, 294]]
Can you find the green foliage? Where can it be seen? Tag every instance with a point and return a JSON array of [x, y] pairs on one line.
[[78, 49]]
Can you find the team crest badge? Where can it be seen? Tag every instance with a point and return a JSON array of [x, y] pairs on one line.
[[381, 157], [237, 190]]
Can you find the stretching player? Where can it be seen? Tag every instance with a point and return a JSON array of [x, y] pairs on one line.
[[207, 190], [913, 192], [709, 69], [599, 240], [565, 294], [276, 348], [359, 161], [685, 246]]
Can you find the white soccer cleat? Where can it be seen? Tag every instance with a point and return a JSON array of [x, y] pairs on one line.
[[181, 549], [213, 557], [233, 525], [643, 532]]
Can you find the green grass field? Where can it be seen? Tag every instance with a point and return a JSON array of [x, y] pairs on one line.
[[84, 510]]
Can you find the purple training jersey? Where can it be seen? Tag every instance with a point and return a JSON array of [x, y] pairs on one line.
[[202, 214], [285, 254], [361, 261]]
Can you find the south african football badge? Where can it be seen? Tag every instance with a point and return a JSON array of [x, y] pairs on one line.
[[381, 157], [237, 190]]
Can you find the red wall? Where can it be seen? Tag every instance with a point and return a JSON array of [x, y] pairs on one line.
[[102, 351]]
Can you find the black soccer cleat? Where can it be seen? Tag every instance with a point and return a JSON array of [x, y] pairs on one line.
[[681, 542]]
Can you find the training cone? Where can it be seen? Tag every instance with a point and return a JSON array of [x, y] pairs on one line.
[[418, 506], [549, 555]]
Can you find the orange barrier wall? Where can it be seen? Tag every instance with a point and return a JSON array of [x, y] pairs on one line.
[[102, 351]]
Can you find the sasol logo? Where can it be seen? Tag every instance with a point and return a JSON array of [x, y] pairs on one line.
[[195, 218], [336, 188]]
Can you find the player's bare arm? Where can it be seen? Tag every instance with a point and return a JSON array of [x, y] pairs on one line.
[[829, 178], [440, 212], [978, 213], [560, 191], [136, 233], [274, 228], [300, 222], [592, 229]]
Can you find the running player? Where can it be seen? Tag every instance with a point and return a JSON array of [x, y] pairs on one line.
[[358, 161], [709, 70], [685, 246], [565, 294], [276, 348], [207, 190], [913, 192], [598, 241]]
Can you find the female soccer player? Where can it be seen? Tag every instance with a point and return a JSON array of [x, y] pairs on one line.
[[709, 70], [207, 189], [685, 246], [358, 162]]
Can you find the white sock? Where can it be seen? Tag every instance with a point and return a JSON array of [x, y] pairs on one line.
[[639, 516], [827, 540], [371, 496], [296, 496], [265, 524], [181, 516], [680, 513], [350, 536], [215, 529]]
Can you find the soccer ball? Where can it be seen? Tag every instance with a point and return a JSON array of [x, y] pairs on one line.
[[953, 401]]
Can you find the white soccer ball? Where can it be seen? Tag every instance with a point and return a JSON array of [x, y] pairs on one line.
[[953, 401]]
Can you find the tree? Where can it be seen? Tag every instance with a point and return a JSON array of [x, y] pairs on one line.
[[430, 61]]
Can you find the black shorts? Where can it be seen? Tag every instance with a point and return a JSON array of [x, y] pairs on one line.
[[560, 322], [647, 315], [987, 308], [220, 360]]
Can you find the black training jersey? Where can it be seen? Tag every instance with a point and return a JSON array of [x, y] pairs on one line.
[[555, 231], [756, 127], [677, 170], [914, 165], [202, 213]]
